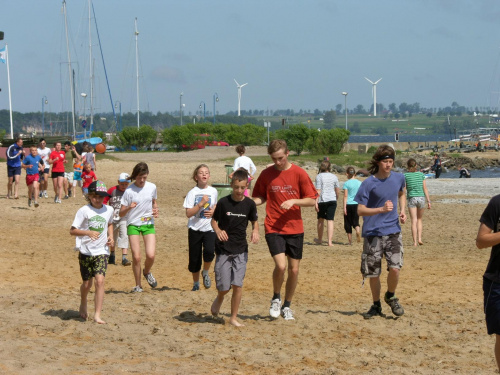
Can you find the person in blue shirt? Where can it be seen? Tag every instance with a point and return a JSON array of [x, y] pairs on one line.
[[15, 154], [377, 199], [33, 164]]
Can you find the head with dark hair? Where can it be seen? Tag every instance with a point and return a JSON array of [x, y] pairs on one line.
[[67, 143], [350, 172], [382, 153], [139, 170], [276, 145], [325, 166], [241, 174], [240, 150], [411, 164]]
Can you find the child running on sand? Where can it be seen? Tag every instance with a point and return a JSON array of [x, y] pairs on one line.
[[140, 208], [33, 164], [93, 228], [230, 220], [327, 185], [200, 204], [77, 176], [88, 176], [119, 223], [351, 217]]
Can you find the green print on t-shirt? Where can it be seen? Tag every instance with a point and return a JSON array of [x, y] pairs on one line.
[[97, 223]]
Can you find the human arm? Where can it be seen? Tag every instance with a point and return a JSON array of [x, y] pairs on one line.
[[221, 234], [254, 238], [367, 211], [426, 192], [316, 206], [81, 232], [156, 210], [190, 212], [75, 153], [303, 202], [402, 206], [259, 200], [486, 237], [125, 209], [346, 195]]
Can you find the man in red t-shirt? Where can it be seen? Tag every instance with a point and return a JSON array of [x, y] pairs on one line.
[[57, 158], [285, 187]]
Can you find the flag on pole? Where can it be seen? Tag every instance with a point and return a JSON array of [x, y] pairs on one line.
[[3, 55]]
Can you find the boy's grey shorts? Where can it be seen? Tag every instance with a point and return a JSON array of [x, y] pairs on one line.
[[374, 247], [418, 202], [230, 270], [120, 234]]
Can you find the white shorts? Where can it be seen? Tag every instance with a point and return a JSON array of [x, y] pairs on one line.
[[69, 176], [418, 202], [120, 234]]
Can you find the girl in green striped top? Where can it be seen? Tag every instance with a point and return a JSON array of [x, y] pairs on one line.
[[416, 194]]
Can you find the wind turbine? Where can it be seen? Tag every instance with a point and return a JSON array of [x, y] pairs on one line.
[[239, 94], [374, 94]]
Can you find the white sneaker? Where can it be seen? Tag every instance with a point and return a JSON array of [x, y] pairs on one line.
[[275, 308], [136, 289], [287, 313], [45, 194]]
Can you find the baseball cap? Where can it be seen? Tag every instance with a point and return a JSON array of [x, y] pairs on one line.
[[99, 188], [124, 177]]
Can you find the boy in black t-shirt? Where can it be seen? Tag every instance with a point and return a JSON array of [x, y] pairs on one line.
[[230, 221], [489, 235]]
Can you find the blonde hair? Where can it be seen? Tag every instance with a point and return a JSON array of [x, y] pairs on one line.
[[195, 172]]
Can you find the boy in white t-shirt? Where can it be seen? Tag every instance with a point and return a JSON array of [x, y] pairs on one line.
[[93, 226]]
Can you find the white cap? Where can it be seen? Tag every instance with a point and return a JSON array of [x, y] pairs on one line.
[[124, 177]]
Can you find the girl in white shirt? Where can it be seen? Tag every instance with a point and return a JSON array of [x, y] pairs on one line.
[[200, 204], [140, 207]]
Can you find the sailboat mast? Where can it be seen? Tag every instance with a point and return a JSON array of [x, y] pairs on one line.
[[137, 71], [91, 69], [69, 69]]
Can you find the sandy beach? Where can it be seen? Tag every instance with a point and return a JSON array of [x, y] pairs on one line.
[[169, 330]]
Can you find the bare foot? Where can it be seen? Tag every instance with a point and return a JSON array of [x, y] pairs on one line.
[[358, 237], [330, 244], [415, 244], [97, 319], [83, 312], [317, 241], [215, 307], [235, 323], [420, 243], [9, 197]]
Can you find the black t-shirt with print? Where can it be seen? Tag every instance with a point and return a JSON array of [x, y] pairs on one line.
[[233, 217]]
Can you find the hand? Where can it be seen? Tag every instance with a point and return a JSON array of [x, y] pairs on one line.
[[429, 205], [111, 241], [254, 237], [209, 212], [388, 206], [204, 200], [402, 217], [156, 212], [345, 211], [316, 207], [93, 235], [133, 204], [286, 205], [222, 235]]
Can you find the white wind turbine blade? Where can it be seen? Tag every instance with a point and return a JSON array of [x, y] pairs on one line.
[[237, 84], [244, 84], [378, 81], [370, 81]]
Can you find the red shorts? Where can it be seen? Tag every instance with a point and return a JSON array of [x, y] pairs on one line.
[[30, 178]]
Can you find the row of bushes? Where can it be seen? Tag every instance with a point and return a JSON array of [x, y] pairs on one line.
[[298, 137]]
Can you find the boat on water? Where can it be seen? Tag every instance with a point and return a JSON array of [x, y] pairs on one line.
[[478, 135]]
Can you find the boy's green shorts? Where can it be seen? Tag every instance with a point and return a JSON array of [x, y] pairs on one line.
[[141, 229]]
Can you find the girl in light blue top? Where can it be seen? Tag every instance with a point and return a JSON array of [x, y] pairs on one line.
[[351, 217]]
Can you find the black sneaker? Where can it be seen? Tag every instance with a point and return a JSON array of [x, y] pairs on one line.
[[396, 308], [111, 259], [126, 262], [374, 311]]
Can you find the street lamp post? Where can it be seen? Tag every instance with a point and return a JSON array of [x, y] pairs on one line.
[[345, 105], [84, 96], [180, 105], [44, 101], [216, 99], [119, 103], [203, 109]]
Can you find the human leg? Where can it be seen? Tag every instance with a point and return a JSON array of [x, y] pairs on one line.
[[36, 191], [150, 246], [279, 272], [9, 186], [329, 231], [135, 247], [320, 227], [208, 256], [17, 177], [215, 308], [60, 184], [235, 305], [195, 244], [99, 298], [292, 279], [413, 218], [84, 291], [420, 225]]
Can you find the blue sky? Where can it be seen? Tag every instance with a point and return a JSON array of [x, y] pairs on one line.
[[293, 54]]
